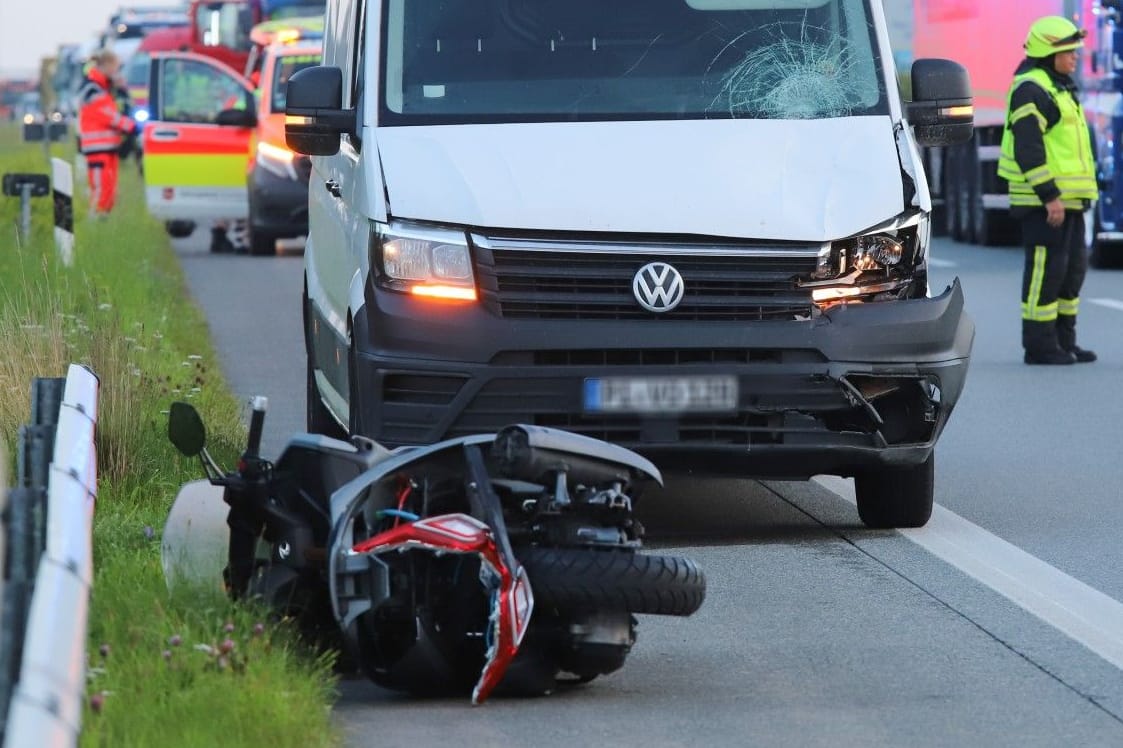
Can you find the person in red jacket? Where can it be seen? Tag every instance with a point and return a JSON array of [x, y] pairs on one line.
[[101, 129]]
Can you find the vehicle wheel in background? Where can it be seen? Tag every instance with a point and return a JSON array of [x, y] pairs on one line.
[[1102, 254], [965, 192], [261, 243], [951, 192], [179, 229], [989, 227], [896, 497]]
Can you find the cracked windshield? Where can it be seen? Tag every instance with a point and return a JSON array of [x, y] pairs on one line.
[[462, 61]]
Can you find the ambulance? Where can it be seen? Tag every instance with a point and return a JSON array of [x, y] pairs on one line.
[[215, 145]]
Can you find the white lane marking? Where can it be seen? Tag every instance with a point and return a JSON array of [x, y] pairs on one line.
[[1109, 303], [937, 263], [1065, 603]]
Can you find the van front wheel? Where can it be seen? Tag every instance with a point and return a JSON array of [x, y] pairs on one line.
[[896, 497]]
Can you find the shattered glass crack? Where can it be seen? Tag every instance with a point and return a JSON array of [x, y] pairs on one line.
[[792, 78]]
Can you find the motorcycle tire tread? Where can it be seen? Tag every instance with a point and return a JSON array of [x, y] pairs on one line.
[[593, 579]]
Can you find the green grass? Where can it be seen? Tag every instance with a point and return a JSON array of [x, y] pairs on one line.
[[123, 310]]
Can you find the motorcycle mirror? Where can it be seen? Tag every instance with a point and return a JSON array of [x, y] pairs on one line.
[[186, 430]]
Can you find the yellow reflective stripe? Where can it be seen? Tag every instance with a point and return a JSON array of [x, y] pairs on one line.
[[1041, 314], [1030, 309], [1040, 175], [195, 170], [1028, 110], [1009, 170], [1068, 307]]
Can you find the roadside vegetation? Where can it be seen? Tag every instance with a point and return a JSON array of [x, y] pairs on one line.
[[188, 669]]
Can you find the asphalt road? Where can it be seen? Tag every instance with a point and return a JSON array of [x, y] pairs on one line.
[[817, 631]]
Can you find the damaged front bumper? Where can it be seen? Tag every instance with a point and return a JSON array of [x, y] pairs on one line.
[[860, 386]]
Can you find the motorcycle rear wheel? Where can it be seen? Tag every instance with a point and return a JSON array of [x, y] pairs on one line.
[[589, 579]]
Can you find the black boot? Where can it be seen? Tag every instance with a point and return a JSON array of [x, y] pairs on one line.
[[1083, 355], [219, 241], [1055, 357], [1066, 338], [1039, 339]]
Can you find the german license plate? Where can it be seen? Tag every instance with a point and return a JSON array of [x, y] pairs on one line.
[[661, 394]]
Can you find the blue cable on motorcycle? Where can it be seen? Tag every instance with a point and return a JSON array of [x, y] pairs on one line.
[[383, 513]]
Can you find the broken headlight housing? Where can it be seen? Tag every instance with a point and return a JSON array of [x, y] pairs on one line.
[[886, 263], [425, 261]]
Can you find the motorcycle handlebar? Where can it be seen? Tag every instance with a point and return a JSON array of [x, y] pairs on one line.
[[257, 423]]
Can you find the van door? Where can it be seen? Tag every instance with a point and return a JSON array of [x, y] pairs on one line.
[[197, 140]]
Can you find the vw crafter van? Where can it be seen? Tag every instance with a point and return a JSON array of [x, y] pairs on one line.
[[696, 228]]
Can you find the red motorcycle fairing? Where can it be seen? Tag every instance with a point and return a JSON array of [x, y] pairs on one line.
[[511, 596]]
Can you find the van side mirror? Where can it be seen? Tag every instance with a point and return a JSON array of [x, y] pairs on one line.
[[236, 118], [314, 113], [942, 111]]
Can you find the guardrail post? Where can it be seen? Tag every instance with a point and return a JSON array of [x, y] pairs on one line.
[[62, 191], [49, 566]]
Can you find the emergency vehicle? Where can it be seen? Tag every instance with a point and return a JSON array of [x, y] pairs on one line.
[[215, 148], [278, 178], [222, 28], [173, 38], [129, 26]]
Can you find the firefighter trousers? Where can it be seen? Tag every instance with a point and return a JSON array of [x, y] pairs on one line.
[[101, 172], [1055, 265]]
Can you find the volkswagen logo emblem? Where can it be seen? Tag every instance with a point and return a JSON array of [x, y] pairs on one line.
[[283, 550], [658, 287]]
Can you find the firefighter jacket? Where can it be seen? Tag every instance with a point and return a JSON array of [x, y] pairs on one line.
[[1046, 144], [100, 124]]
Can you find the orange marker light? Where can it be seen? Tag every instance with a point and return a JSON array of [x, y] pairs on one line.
[[966, 110], [453, 293]]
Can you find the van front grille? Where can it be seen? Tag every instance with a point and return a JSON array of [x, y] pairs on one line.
[[543, 279]]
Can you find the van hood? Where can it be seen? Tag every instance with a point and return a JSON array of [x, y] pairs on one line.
[[807, 180]]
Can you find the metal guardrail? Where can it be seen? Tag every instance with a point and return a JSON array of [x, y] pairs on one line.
[[48, 565]]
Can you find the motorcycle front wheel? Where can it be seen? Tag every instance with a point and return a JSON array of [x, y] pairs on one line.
[[592, 579]]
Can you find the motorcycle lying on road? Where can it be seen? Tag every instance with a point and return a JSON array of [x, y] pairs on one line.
[[504, 561]]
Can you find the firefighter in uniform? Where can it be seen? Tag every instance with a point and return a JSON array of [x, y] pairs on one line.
[[101, 130], [1049, 162]]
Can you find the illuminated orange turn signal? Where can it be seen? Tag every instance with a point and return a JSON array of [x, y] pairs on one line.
[[821, 295], [455, 293], [966, 110]]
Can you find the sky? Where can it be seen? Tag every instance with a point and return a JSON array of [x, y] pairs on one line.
[[32, 29]]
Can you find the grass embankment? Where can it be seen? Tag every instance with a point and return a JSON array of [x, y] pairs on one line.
[[189, 669]]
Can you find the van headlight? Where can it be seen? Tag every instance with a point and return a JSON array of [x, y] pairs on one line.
[[878, 266], [423, 261], [876, 251]]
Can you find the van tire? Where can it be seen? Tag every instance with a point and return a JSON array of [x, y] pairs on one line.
[[355, 423], [319, 418], [896, 497]]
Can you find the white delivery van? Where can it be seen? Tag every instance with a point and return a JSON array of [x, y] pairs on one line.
[[696, 228]]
